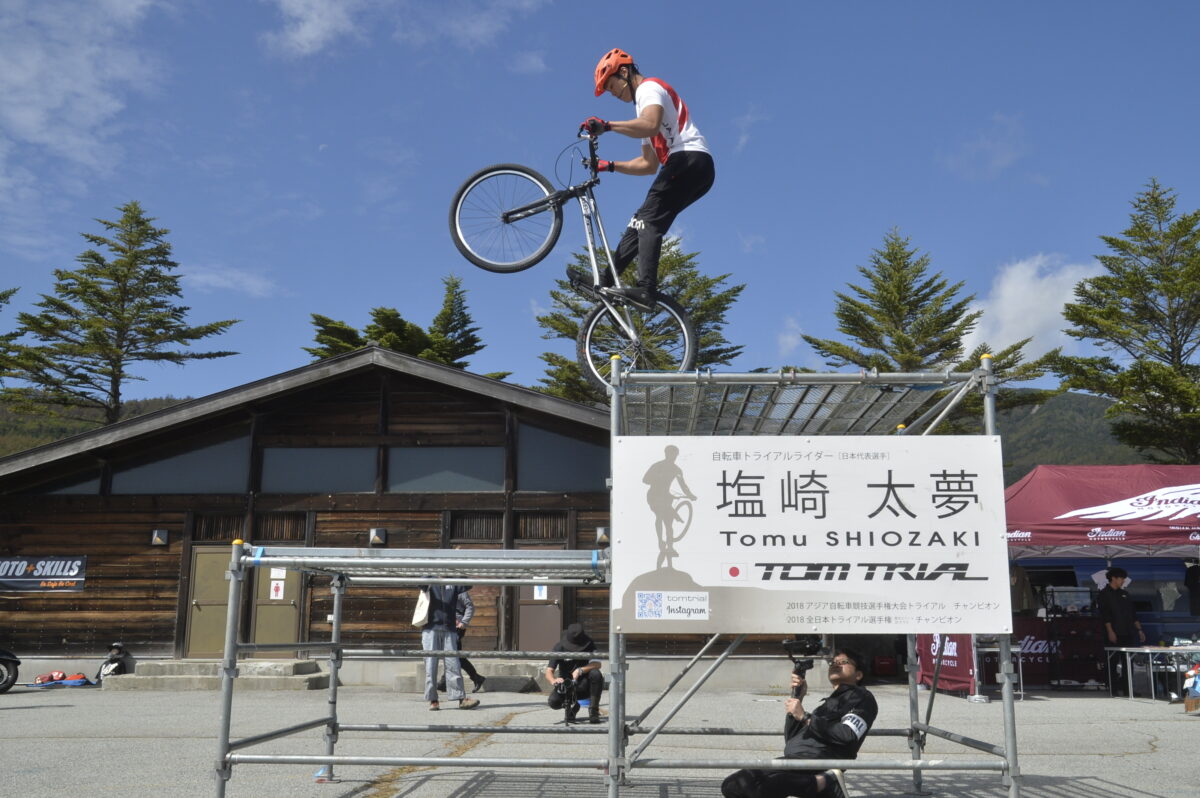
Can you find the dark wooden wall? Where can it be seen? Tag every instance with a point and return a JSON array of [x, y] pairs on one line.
[[131, 588]]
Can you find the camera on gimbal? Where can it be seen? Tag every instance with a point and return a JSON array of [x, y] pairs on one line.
[[801, 649], [566, 688]]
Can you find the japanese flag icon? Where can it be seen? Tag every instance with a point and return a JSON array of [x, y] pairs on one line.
[[733, 572]]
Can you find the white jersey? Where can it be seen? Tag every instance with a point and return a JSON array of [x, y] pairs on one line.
[[676, 132]]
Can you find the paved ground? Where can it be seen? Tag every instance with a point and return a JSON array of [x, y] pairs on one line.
[[133, 744]]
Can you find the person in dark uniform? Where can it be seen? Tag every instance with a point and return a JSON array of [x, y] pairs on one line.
[[834, 730], [573, 676], [1121, 626]]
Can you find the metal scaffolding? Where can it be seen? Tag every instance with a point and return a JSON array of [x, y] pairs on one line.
[[643, 404]]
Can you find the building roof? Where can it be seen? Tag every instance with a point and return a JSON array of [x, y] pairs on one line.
[[314, 374]]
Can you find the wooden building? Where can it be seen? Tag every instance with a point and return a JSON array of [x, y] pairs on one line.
[[369, 448]]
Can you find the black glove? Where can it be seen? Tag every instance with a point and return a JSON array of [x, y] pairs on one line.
[[594, 126]]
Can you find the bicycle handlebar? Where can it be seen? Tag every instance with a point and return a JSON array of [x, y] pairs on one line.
[[591, 162]]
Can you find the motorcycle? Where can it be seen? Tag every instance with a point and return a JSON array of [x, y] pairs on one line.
[[8, 669]]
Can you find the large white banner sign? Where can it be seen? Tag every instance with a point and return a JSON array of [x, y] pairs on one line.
[[853, 535]]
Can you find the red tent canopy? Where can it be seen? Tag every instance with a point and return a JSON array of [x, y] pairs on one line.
[[1105, 511]]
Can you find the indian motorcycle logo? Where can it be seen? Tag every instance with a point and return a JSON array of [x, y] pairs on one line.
[[1179, 501]]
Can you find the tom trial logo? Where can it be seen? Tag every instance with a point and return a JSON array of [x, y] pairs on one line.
[[1171, 503]]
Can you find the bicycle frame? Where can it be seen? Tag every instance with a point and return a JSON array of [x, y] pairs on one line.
[[593, 230]]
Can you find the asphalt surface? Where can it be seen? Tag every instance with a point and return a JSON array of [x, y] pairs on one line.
[[80, 741]]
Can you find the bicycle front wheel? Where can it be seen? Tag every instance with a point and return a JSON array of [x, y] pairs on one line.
[[657, 340], [502, 220]]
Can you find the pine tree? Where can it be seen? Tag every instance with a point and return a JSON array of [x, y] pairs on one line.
[[1146, 309], [903, 320], [6, 339], [453, 335], [907, 320], [706, 298], [105, 316], [451, 338]]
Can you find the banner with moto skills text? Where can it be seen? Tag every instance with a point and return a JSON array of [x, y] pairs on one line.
[[849, 535], [43, 574]]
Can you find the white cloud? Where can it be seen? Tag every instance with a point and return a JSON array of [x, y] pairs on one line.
[[537, 309], [752, 242], [1026, 299], [528, 63], [224, 278], [466, 23], [310, 26], [743, 123], [789, 337], [66, 69], [991, 151]]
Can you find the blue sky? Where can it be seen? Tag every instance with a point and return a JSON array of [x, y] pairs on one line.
[[304, 153]]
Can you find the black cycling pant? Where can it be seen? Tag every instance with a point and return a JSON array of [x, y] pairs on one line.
[[684, 178], [770, 784]]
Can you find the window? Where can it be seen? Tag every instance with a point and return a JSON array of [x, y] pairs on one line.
[[549, 461], [217, 468], [319, 470], [445, 469]]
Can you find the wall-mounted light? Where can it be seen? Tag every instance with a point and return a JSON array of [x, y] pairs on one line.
[[377, 537], [159, 537], [602, 536]]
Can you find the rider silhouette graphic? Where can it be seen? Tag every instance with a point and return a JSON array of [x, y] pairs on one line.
[[661, 477]]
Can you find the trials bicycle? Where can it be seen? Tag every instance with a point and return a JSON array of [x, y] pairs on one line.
[[508, 217]]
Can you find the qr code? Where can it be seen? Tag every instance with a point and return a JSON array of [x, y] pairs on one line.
[[649, 605]]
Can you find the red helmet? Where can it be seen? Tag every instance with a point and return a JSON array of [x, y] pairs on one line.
[[613, 60]]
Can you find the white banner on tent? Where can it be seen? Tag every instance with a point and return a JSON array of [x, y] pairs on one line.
[[853, 535]]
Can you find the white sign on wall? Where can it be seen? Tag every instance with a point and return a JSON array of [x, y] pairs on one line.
[[849, 535]]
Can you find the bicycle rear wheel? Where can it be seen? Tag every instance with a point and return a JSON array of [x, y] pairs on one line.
[[478, 226], [663, 341]]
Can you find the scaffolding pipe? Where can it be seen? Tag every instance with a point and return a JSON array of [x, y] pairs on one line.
[[822, 764], [872, 377], [427, 761], [678, 677], [236, 575], [961, 739], [265, 737], [733, 645]]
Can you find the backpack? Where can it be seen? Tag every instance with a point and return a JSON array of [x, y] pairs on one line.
[[110, 667]]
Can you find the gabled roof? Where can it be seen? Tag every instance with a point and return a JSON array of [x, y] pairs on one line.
[[291, 381]]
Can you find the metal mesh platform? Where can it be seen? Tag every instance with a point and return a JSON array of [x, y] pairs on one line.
[[439, 566], [784, 403]]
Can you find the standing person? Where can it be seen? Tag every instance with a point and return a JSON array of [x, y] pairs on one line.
[[438, 634], [1121, 626], [670, 139], [834, 730], [569, 677], [464, 611]]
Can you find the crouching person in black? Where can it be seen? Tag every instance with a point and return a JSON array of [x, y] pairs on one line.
[[572, 678], [834, 730]]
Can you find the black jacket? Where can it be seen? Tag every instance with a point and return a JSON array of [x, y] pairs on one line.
[[1116, 607], [835, 729]]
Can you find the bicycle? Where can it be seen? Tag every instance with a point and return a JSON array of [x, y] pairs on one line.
[[681, 508], [507, 218]]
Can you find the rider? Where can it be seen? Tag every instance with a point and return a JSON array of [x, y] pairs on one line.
[[662, 477], [670, 138]]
